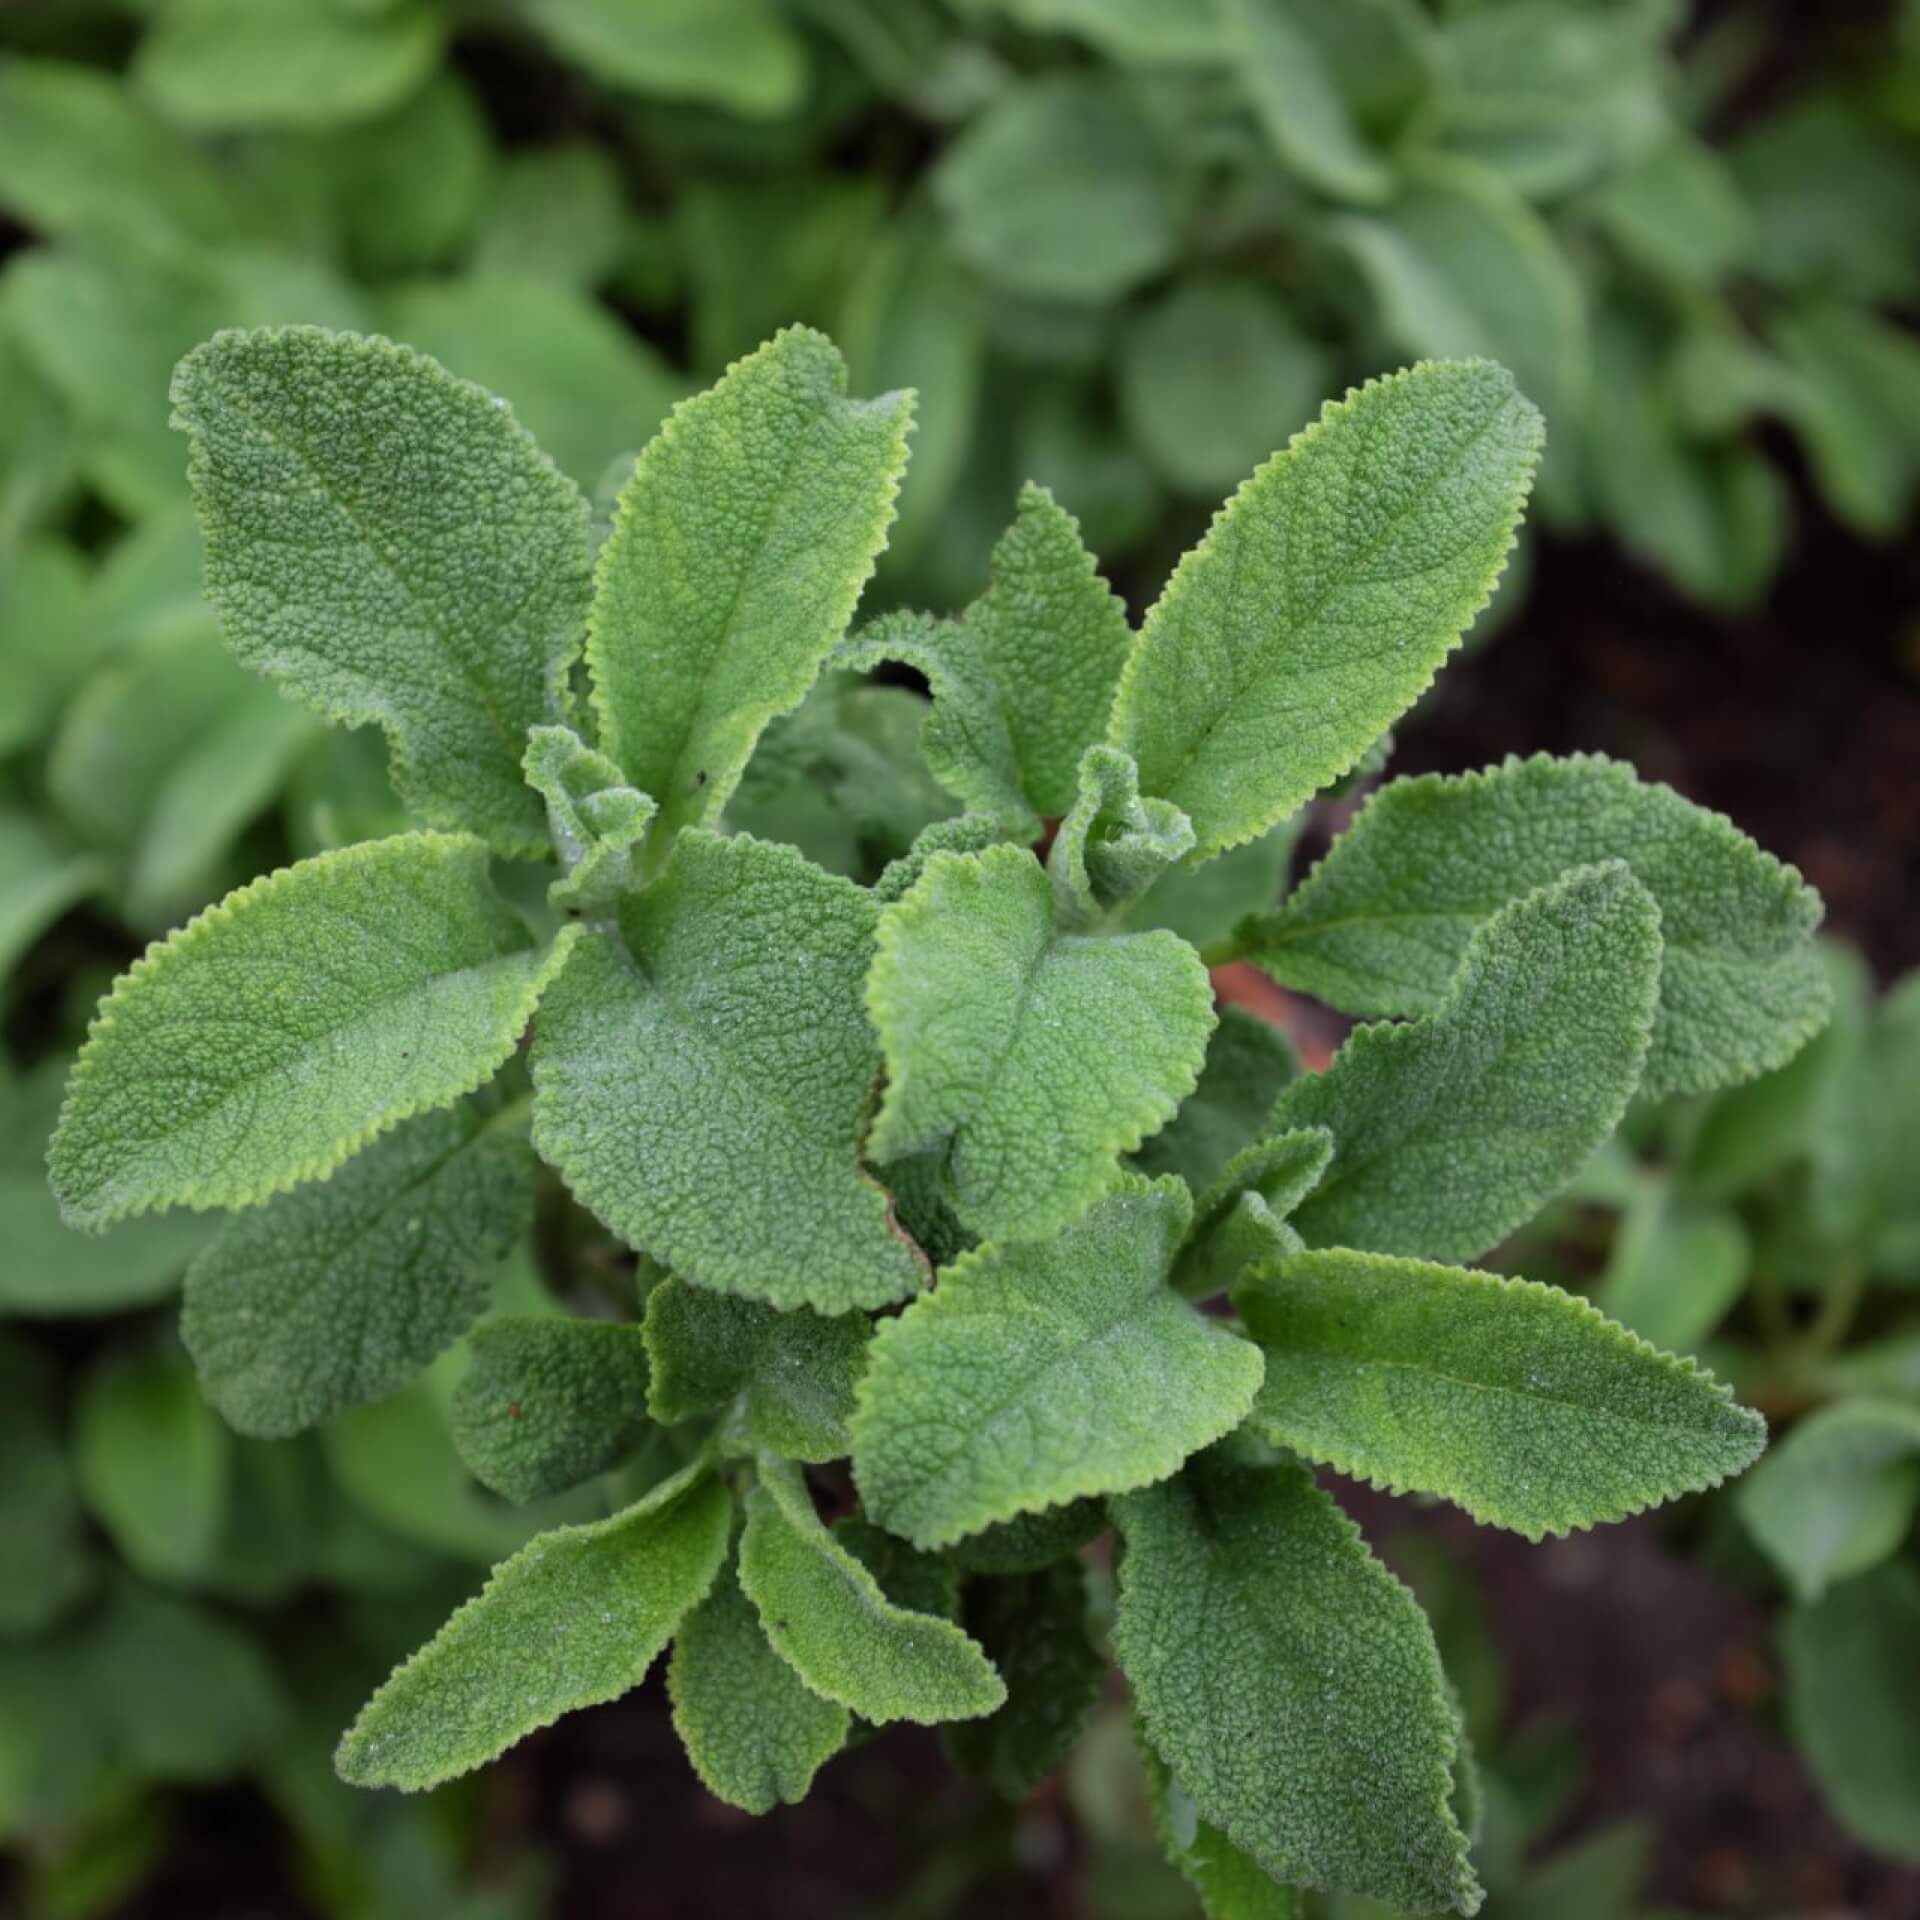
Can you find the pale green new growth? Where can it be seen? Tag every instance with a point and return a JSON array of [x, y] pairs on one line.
[[1037, 1373], [1032, 1057], [1326, 594], [1243, 1218], [827, 1617], [389, 544], [1451, 1130], [796, 1371], [548, 1401], [1515, 1401], [1291, 1683], [597, 821], [727, 1032], [339, 1292], [1248, 1064], [1381, 924], [276, 1034], [740, 546], [576, 1617], [1112, 845], [755, 1732], [1838, 1495]]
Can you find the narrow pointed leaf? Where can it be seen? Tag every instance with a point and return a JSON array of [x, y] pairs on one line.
[[1452, 1130], [1327, 593], [1380, 925], [727, 1032], [1291, 1683], [1514, 1400], [738, 551], [388, 543], [275, 1035], [576, 1617]]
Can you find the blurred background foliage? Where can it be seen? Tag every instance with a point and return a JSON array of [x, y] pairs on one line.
[[1122, 247]]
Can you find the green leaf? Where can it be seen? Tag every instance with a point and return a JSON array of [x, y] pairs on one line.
[[1411, 489], [1112, 846], [1853, 1670], [1213, 376], [1291, 1683], [1232, 1885], [1838, 1494], [1249, 1062], [1061, 190], [829, 1620], [557, 216], [596, 819], [1134, 32], [1034, 1629], [741, 544], [389, 544], [339, 1292], [1204, 905], [45, 610], [576, 1617], [1675, 1269], [1452, 1130], [549, 1401], [755, 1733], [1863, 1188], [153, 1463], [1513, 1400], [1380, 926], [1037, 1373], [1032, 1056], [797, 1370], [347, 994], [1243, 1217], [220, 65], [1032, 1541], [737, 54], [46, 1563], [728, 1033], [38, 883]]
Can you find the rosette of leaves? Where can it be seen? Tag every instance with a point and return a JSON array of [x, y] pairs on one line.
[[932, 1162]]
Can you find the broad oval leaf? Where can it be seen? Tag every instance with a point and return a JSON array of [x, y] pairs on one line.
[[1452, 1130], [1326, 594], [1037, 1373], [576, 1617], [1291, 1683], [738, 54], [272, 1037], [389, 544], [1514, 1400], [701, 1087], [1033, 1057], [738, 551], [1381, 924]]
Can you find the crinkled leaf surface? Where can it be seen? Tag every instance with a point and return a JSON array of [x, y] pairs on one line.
[[548, 1401], [389, 543], [596, 819], [738, 551], [1291, 1682], [1838, 1494], [727, 1033], [1380, 925], [336, 1293], [1450, 1131], [275, 1035], [1515, 1401], [827, 1617], [1032, 1056], [1249, 1062], [1036, 1373], [1032, 1540], [796, 1369], [1242, 1217], [754, 1731], [1232, 1885], [576, 1617], [1112, 845], [1326, 594]]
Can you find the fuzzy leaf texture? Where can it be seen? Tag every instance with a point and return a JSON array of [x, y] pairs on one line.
[[1112, 845], [1452, 1130], [272, 1037], [576, 1617], [1232, 1885], [738, 551], [597, 821], [1291, 1683], [390, 545], [1513, 1400], [1031, 1057], [1037, 1373], [1381, 924], [727, 1032], [1325, 595], [827, 1616], [341, 1291], [1249, 1062], [1243, 1218]]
